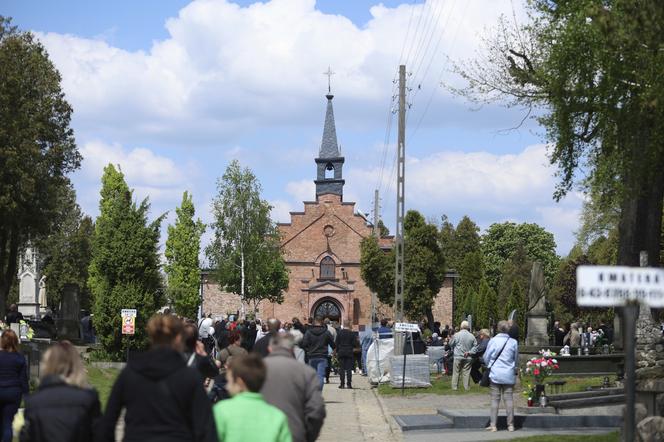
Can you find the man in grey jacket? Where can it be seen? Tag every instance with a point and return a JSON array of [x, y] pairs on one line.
[[293, 388], [462, 343]]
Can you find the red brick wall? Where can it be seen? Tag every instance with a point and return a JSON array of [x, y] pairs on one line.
[[305, 243]]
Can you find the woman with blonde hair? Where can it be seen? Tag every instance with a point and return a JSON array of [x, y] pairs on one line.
[[13, 381], [64, 408], [164, 399]]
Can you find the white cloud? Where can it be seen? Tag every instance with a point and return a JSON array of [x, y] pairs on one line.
[[487, 187], [281, 211], [303, 190], [141, 165], [226, 68]]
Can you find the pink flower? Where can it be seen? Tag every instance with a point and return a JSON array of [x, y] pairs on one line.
[[536, 372]]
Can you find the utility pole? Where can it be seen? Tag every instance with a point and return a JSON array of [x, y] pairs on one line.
[[401, 169], [376, 234]]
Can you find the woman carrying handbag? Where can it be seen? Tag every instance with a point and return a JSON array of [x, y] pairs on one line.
[[501, 358]]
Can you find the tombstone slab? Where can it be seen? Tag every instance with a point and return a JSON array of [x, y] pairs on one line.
[[68, 324], [538, 334], [537, 318]]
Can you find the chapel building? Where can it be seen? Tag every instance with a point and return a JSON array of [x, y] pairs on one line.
[[321, 248]]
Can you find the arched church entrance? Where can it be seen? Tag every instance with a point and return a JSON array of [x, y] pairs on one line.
[[327, 308]]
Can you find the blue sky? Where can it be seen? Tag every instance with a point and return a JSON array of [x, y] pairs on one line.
[[173, 90]]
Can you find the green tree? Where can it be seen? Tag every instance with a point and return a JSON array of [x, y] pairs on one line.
[[471, 274], [563, 296], [67, 251], [457, 242], [377, 269], [124, 271], [37, 147], [446, 239], [517, 270], [593, 69], [182, 266], [501, 240], [383, 231], [486, 309], [424, 266], [246, 246], [466, 238], [517, 301]]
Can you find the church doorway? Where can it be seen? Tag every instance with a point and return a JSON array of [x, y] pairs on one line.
[[327, 308]]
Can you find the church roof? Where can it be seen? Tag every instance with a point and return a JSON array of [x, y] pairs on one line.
[[328, 146]]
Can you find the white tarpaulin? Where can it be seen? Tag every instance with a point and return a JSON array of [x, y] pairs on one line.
[[378, 360]]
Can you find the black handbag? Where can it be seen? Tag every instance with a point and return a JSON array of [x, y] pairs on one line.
[[485, 381]]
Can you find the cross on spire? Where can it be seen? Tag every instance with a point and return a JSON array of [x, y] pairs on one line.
[[329, 74]]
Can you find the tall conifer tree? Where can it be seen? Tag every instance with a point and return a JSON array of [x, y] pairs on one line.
[[182, 265], [124, 271]]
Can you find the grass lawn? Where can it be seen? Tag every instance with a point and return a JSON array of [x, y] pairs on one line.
[[438, 386], [610, 437], [575, 384], [102, 379], [443, 386]]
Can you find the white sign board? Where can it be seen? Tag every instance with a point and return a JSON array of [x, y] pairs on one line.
[[406, 327], [609, 286]]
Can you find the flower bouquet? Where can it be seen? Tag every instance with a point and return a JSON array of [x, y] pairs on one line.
[[539, 368], [26, 330]]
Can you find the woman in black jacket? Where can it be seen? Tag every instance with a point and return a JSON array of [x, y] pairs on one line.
[[65, 408], [164, 399], [13, 381]]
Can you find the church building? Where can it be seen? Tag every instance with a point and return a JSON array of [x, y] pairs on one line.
[[321, 247]]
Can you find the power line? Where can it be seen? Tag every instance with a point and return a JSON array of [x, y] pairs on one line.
[[417, 27], [440, 77], [427, 35], [420, 81]]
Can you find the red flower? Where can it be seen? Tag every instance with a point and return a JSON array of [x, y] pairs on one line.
[[536, 372]]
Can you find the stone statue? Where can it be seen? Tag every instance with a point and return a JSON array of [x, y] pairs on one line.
[[42, 292], [536, 299], [536, 316]]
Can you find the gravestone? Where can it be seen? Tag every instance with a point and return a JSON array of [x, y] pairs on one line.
[[536, 316], [68, 322], [28, 275]]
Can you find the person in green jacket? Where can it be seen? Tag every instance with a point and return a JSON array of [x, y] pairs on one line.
[[246, 417]]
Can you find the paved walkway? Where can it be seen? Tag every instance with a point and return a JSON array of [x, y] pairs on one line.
[[355, 415]]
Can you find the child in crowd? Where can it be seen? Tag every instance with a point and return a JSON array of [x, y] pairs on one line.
[[246, 375]]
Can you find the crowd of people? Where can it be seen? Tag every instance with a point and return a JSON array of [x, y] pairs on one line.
[[202, 381], [198, 381]]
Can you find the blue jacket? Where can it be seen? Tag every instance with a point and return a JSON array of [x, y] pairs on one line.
[[503, 370], [13, 371]]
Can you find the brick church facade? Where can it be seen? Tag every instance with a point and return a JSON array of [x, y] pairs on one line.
[[321, 247]]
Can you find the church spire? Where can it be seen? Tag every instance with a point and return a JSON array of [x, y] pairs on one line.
[[329, 163], [328, 146]]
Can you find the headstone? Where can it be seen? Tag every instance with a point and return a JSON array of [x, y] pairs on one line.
[[68, 323], [71, 305], [537, 318], [28, 275]]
